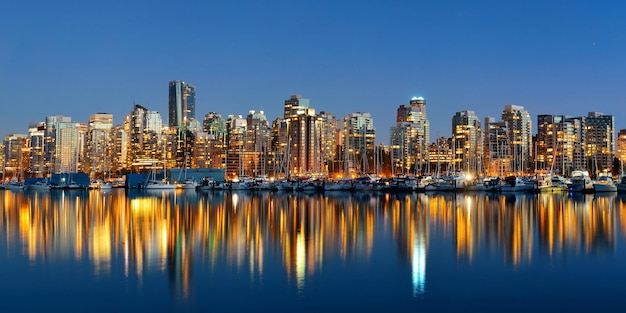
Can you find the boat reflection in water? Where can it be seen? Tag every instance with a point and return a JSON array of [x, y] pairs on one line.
[[364, 251]]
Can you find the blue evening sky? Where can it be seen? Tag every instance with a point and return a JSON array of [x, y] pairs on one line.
[[77, 58]]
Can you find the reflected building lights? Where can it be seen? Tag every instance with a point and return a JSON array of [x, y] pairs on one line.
[[170, 232]]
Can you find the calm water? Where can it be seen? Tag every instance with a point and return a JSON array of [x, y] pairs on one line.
[[90, 251]]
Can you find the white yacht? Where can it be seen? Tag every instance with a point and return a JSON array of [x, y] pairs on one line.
[[580, 182]]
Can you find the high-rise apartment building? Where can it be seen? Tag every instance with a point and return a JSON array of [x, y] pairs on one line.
[[51, 164], [519, 127], [303, 141], [215, 127], [600, 136], [145, 144], [410, 138], [257, 146], [467, 142], [236, 127], [67, 147], [560, 144], [15, 156], [331, 144], [497, 151], [98, 146], [181, 104], [360, 143], [36, 140]]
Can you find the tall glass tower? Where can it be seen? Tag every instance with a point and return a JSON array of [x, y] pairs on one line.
[[181, 104]]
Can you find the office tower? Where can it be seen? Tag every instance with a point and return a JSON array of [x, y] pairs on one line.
[[145, 140], [16, 159], [303, 141], [519, 127], [467, 142], [331, 144], [600, 135], [360, 141], [98, 146], [621, 149], [410, 138], [36, 140], [181, 104]]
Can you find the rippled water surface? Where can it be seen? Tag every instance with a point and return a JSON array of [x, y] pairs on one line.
[[90, 251]]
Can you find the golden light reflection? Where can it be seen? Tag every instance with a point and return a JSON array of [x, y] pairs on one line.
[[171, 231]]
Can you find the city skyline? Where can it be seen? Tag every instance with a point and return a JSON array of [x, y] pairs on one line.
[[76, 59]]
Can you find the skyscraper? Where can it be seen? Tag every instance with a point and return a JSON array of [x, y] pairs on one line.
[[181, 104]]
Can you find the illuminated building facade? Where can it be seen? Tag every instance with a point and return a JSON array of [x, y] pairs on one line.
[[303, 142], [236, 127], [600, 136], [181, 104], [257, 146], [331, 143], [360, 142], [467, 142], [36, 142], [15, 156], [519, 128], [410, 138], [215, 127], [145, 147], [98, 146], [560, 144], [498, 158], [621, 148]]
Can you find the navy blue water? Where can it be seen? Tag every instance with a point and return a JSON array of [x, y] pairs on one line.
[[89, 251]]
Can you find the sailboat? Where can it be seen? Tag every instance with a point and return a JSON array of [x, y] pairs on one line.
[[155, 184]]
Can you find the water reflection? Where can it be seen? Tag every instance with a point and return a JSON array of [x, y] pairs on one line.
[[175, 231]]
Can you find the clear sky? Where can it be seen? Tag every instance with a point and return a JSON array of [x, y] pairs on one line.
[[81, 57]]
